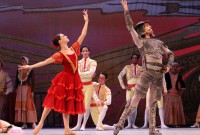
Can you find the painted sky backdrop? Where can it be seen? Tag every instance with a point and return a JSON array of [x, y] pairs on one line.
[[39, 21]]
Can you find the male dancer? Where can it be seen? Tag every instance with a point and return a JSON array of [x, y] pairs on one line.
[[87, 68], [151, 75], [132, 74], [100, 101]]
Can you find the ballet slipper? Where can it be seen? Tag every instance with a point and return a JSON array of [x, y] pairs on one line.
[[38, 128], [70, 133]]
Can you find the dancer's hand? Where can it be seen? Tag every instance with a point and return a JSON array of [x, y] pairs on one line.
[[85, 15], [24, 67], [124, 4]]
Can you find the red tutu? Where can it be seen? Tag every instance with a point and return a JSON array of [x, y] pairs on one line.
[[65, 94]]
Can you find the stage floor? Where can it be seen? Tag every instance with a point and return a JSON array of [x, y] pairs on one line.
[[170, 131]]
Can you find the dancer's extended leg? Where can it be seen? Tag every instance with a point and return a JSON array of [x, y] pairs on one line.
[[127, 111], [40, 124]]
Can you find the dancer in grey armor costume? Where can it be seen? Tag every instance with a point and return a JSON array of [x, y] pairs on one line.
[[151, 75]]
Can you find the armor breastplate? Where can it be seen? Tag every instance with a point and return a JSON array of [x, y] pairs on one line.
[[152, 48]]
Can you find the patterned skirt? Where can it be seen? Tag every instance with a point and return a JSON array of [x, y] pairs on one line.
[[174, 114], [24, 107]]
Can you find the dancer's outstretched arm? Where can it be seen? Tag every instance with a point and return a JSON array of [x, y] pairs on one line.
[[85, 27], [39, 64], [129, 25]]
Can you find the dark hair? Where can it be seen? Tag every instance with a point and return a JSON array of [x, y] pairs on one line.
[[55, 41], [137, 54], [85, 47], [105, 74]]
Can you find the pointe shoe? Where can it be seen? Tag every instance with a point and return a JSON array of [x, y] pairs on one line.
[[34, 125], [37, 128], [70, 133], [134, 127], [99, 129], [24, 126], [82, 128], [76, 128]]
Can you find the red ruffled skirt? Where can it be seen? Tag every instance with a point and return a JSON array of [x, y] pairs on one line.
[[65, 94]]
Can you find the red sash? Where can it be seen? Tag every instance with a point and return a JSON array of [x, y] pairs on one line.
[[87, 83]]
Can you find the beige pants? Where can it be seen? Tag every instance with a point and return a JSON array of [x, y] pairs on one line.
[[129, 93], [87, 91], [95, 112]]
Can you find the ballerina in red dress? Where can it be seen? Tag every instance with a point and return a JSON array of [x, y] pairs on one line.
[[65, 94]]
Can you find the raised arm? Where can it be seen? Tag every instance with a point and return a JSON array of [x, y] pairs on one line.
[[39, 64], [129, 24], [85, 27]]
